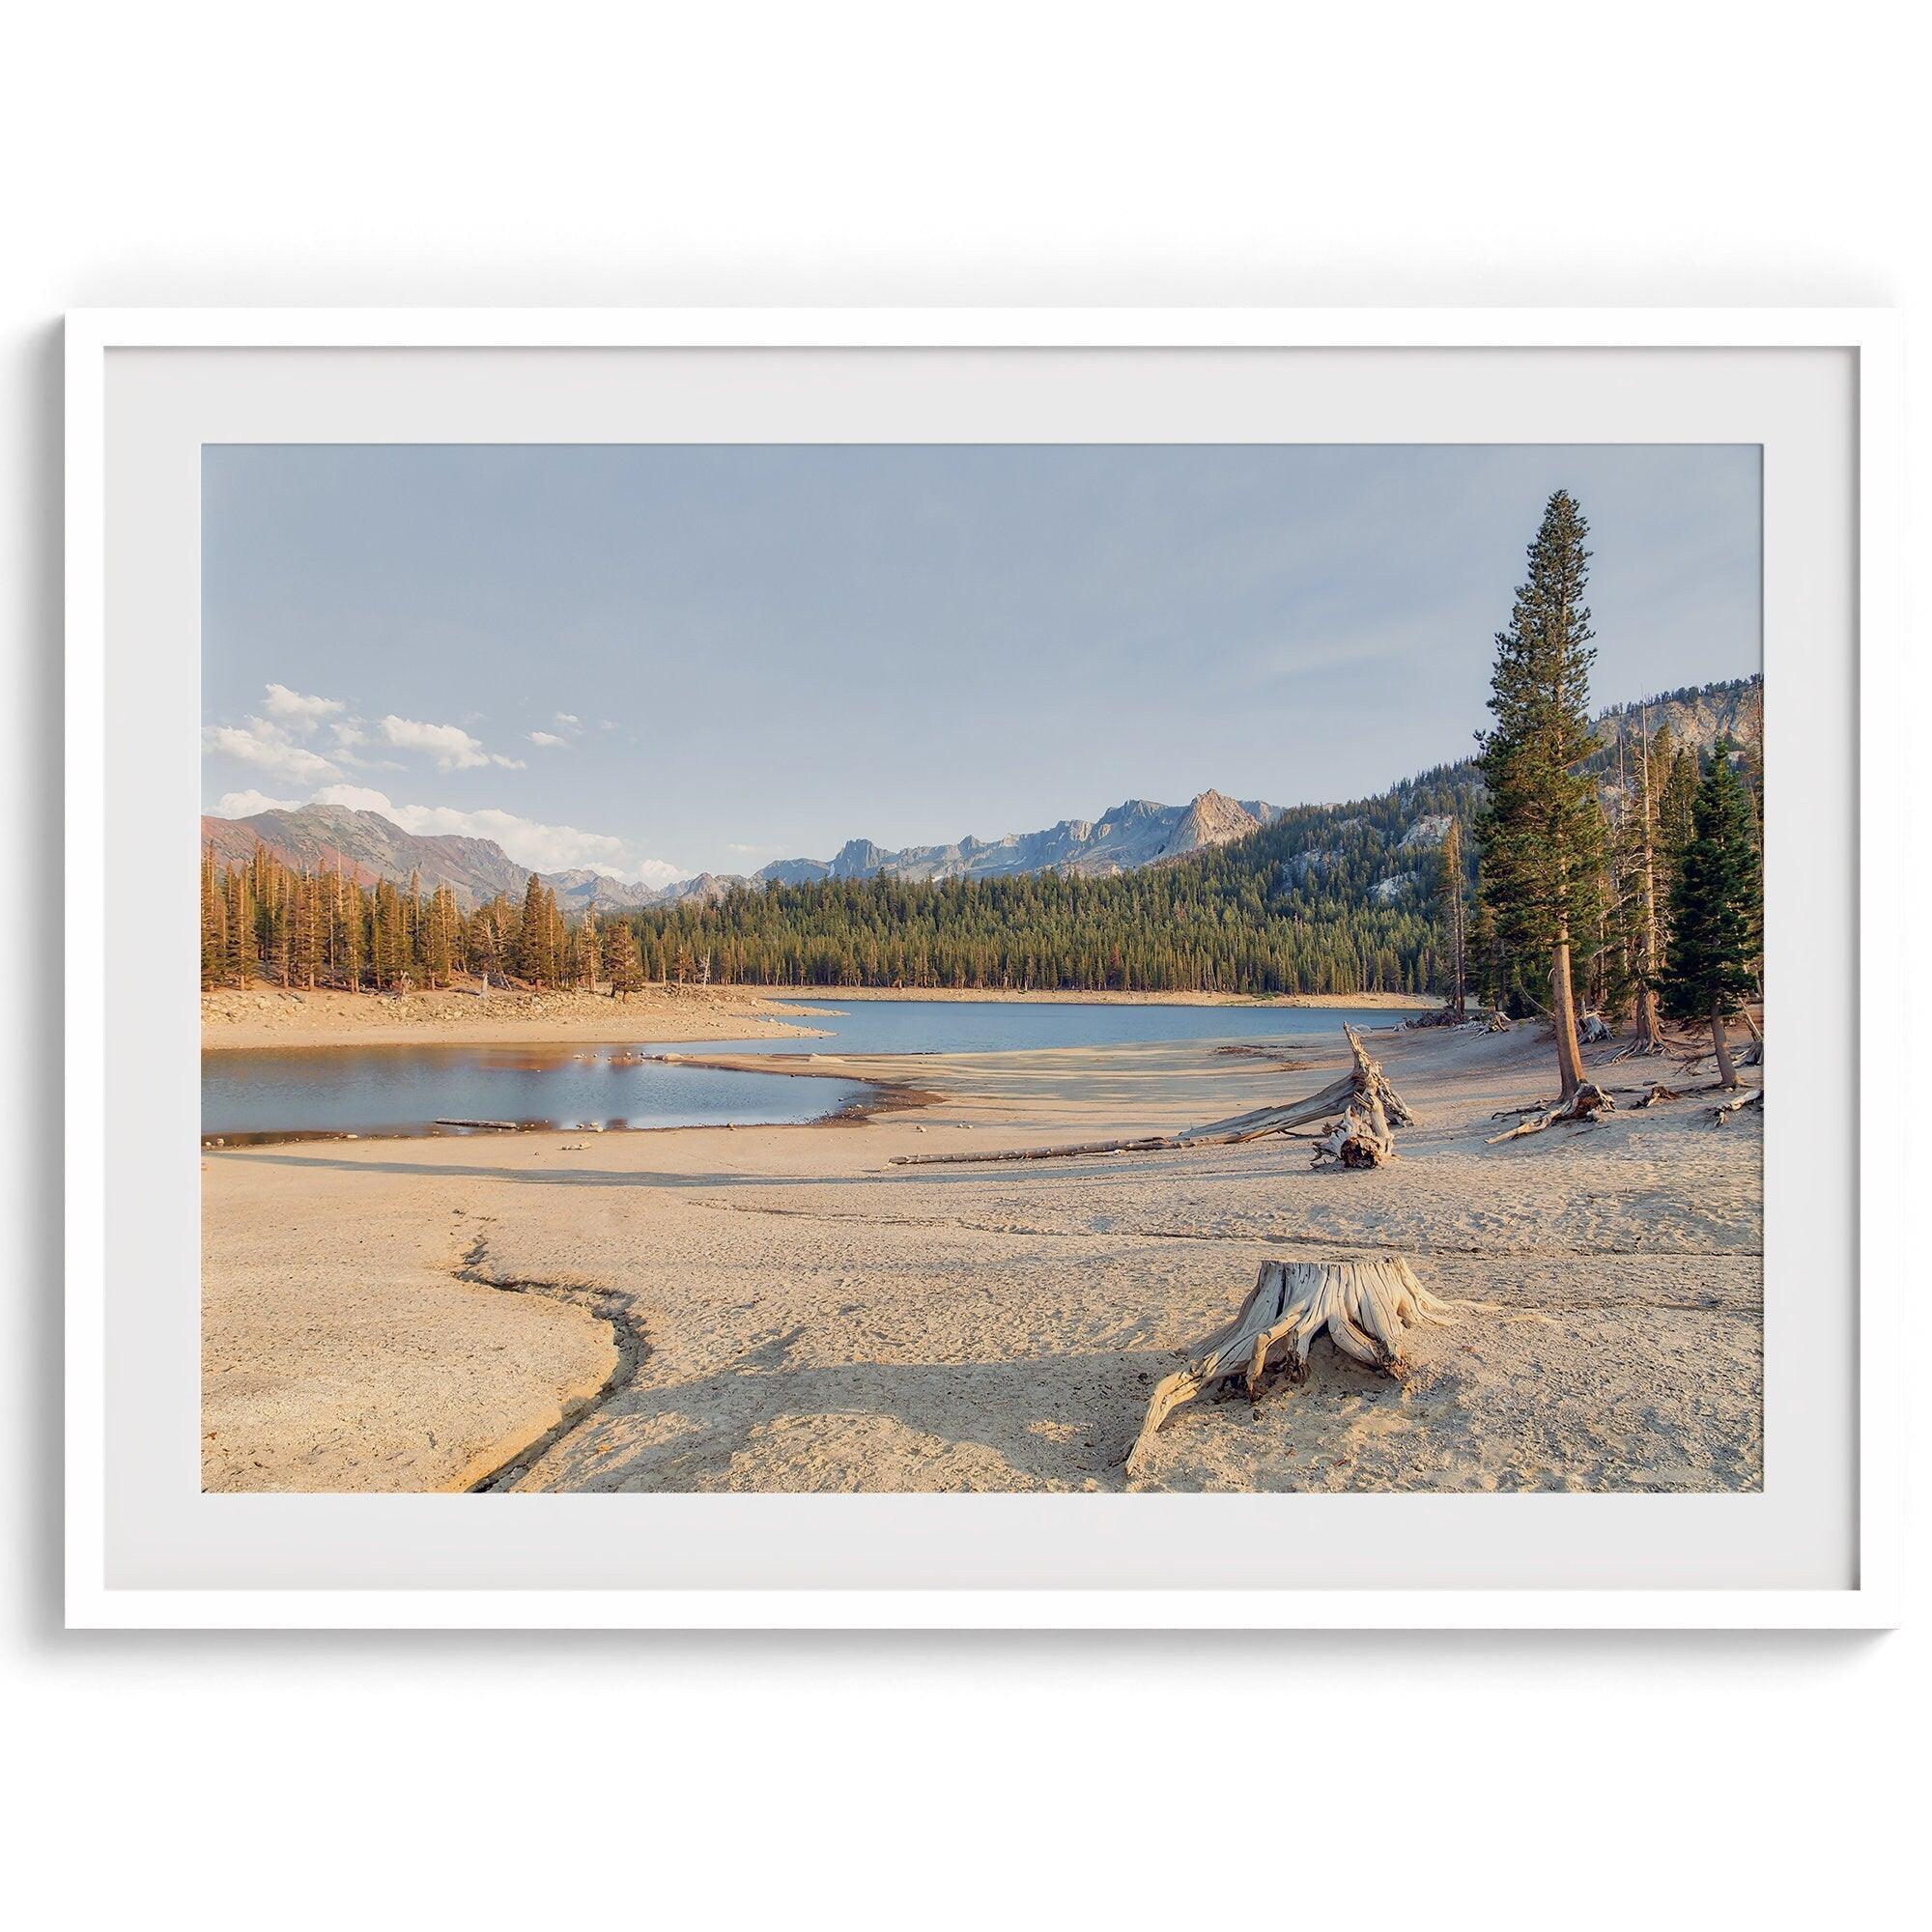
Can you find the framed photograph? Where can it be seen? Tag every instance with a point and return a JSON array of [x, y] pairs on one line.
[[983, 968]]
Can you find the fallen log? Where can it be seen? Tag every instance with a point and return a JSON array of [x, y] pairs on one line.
[[1589, 1098], [1754, 1098], [1659, 1094], [501, 1127], [1364, 1088], [1363, 1307]]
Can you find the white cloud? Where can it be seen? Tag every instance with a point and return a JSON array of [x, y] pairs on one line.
[[262, 742], [452, 748], [547, 738], [356, 798], [568, 718], [246, 803], [543, 848], [508, 764], [300, 713]]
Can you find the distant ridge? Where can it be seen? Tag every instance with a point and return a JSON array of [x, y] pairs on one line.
[[1137, 832], [367, 847], [1134, 834]]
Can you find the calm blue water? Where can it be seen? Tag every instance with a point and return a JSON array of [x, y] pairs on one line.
[[1005, 1026], [280, 1094]]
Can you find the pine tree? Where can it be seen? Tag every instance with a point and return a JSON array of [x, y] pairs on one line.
[[1541, 829], [213, 922], [439, 937], [1716, 915], [535, 958], [1674, 812], [240, 923], [622, 965], [1450, 894]]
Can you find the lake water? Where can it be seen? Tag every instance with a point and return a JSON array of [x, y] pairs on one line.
[[279, 1093], [1006, 1026], [276, 1093]]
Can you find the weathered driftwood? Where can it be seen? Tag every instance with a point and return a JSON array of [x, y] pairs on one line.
[[1364, 1306], [1498, 1021], [1659, 1094], [1753, 1054], [1364, 1088], [1754, 1098], [1358, 1139], [501, 1127], [1592, 1030], [1589, 1098]]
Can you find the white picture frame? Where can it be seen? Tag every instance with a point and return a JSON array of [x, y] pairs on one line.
[[1873, 1407]]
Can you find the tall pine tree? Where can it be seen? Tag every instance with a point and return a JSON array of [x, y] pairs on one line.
[[1541, 828]]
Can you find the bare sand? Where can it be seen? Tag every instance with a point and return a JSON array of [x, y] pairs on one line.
[[780, 1309], [263, 1015], [268, 1015]]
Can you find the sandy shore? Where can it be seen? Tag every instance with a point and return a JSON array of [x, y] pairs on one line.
[[268, 1016], [263, 1015], [781, 1309]]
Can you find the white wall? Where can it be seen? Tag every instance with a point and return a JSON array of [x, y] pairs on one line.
[[1193, 153]]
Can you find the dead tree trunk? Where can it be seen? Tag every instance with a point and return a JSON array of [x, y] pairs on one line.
[[1588, 1099], [1563, 1003], [1648, 1039], [1753, 1054], [1727, 1074], [1364, 1306], [1363, 1091]]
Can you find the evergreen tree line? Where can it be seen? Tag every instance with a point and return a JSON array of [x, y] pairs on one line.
[[1303, 906], [1551, 873], [309, 929]]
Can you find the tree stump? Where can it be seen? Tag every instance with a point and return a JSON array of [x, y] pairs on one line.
[[1364, 1306], [1589, 1098]]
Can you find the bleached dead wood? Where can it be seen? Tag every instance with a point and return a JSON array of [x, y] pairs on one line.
[[1753, 1054], [1358, 1139], [1363, 1306], [1589, 1098], [1754, 1098], [1592, 1030], [1364, 1088]]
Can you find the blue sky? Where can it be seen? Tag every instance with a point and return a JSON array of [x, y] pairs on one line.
[[658, 659]]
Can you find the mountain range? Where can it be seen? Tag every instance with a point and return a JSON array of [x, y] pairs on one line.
[[367, 846], [1137, 833]]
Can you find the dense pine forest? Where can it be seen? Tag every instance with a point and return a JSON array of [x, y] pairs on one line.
[[1373, 896]]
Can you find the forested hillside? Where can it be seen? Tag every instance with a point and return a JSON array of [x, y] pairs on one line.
[[1329, 899]]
